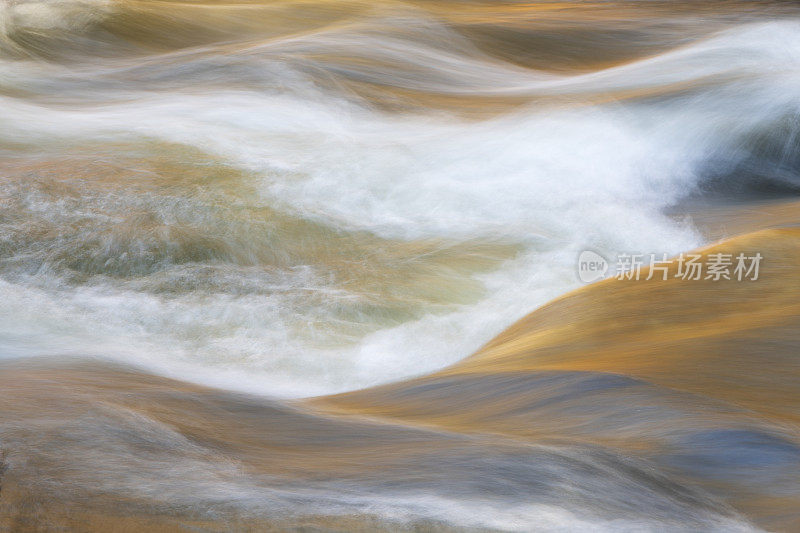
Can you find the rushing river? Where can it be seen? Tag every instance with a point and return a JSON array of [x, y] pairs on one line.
[[296, 198]]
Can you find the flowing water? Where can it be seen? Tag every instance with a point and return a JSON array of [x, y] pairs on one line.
[[296, 198]]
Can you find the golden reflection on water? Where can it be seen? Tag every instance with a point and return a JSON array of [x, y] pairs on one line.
[[642, 404]]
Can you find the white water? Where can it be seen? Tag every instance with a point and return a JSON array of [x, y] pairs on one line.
[[550, 179]]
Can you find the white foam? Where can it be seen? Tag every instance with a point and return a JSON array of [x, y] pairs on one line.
[[555, 180]]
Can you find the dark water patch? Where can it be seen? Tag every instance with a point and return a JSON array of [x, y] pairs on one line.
[[763, 163], [751, 457]]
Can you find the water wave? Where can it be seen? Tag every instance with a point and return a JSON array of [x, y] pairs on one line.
[[301, 212]]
